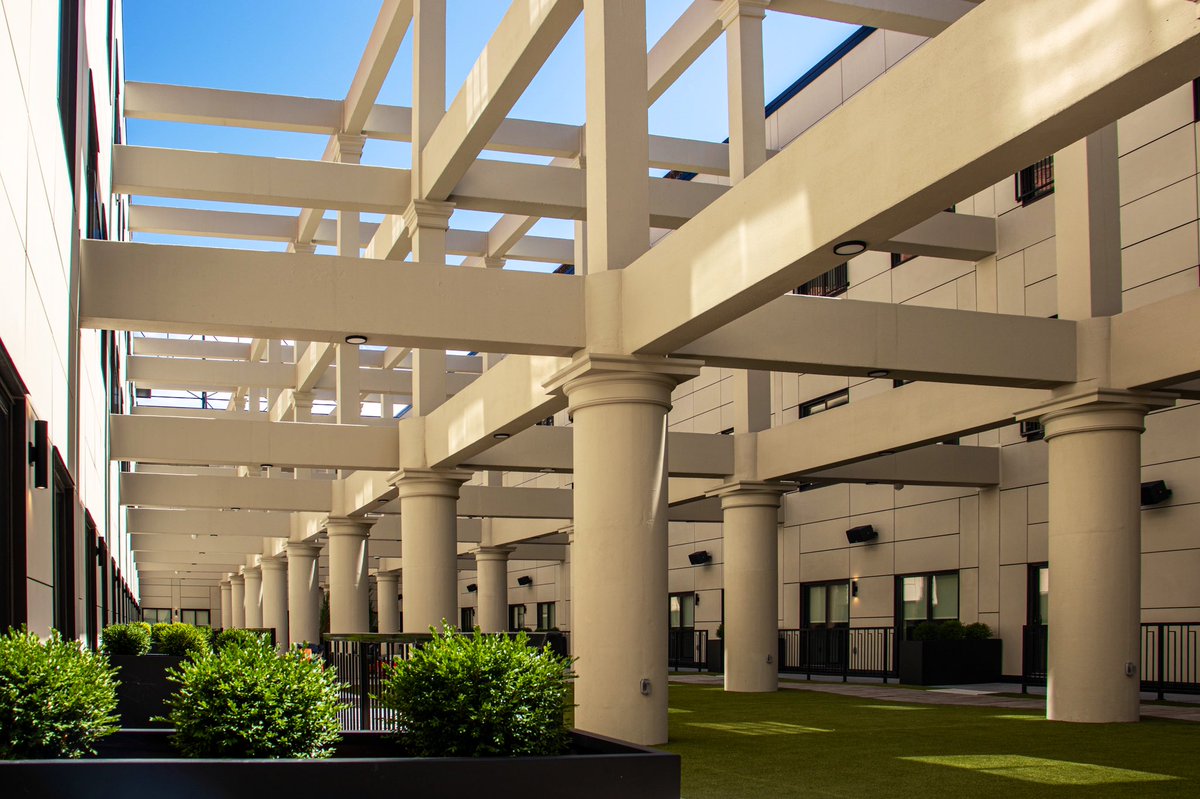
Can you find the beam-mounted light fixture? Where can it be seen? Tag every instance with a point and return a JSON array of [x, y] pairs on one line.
[[356, 338], [878, 373], [848, 248], [501, 436]]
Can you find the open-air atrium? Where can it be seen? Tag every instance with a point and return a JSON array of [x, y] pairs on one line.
[[487, 327]]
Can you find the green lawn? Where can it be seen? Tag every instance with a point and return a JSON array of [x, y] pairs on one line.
[[802, 743]]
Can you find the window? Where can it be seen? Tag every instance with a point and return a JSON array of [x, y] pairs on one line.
[[545, 616], [68, 77], [825, 403], [467, 619], [156, 615], [13, 471], [1032, 430], [198, 618], [1036, 181], [547, 422], [830, 284], [1038, 605], [516, 617], [901, 258], [682, 611], [827, 605], [1196, 100], [926, 597], [63, 552], [97, 222], [899, 381]]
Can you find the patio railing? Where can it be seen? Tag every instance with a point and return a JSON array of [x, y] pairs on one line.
[[840, 651]]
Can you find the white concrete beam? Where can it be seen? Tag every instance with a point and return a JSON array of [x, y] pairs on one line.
[[1155, 346], [247, 493], [919, 17]]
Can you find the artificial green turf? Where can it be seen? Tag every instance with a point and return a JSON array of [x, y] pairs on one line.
[[804, 743]]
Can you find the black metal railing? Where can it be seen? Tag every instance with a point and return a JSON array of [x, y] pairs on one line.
[[687, 648], [1170, 657], [839, 651], [360, 662]]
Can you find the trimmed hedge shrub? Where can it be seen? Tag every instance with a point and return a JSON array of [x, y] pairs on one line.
[[236, 635], [479, 695], [180, 640], [949, 630], [248, 701], [977, 632], [126, 639], [56, 698]]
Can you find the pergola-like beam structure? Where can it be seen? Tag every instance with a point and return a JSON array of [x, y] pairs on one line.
[[920, 17], [679, 47], [1155, 346], [167, 289], [239, 351], [855, 337], [526, 36], [934, 465], [206, 491], [777, 228]]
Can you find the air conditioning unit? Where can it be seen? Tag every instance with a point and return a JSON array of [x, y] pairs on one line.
[[861, 534]]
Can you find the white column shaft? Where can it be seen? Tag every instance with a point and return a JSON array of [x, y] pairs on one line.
[[429, 530], [304, 594], [226, 605], [387, 602], [751, 548], [491, 577], [237, 599], [275, 601], [253, 599], [349, 592]]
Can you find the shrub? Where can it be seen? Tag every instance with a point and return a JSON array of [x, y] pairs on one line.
[[952, 630], [180, 640], [247, 701], [56, 698], [126, 639], [236, 635], [479, 695], [977, 631], [925, 631]]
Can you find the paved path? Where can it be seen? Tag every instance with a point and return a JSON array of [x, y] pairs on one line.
[[952, 696]]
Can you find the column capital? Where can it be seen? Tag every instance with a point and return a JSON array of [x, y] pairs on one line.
[[303, 247], [249, 570], [274, 564], [224, 584], [387, 577], [347, 526], [236, 579], [1096, 410], [429, 482], [749, 493], [493, 553], [427, 214], [349, 148], [730, 10], [303, 549], [494, 261], [302, 399], [599, 379]]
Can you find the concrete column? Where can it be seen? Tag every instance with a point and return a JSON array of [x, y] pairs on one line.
[[237, 600], [619, 580], [742, 21], [349, 392], [1087, 226], [491, 576], [386, 593], [349, 597], [750, 514], [304, 593], [253, 598], [429, 531], [302, 403], [1094, 443], [275, 600], [226, 604], [563, 608], [427, 223]]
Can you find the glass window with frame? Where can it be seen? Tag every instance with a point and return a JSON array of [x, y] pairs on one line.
[[156, 615], [827, 605], [1039, 593], [927, 597], [682, 611], [516, 618], [197, 618], [467, 619], [546, 616], [825, 403]]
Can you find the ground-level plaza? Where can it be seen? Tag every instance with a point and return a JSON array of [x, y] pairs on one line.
[[897, 382]]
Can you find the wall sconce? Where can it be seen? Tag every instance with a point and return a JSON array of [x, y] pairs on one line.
[[1155, 492], [854, 588], [861, 534], [696, 599], [525, 580], [700, 558], [472, 588], [39, 454]]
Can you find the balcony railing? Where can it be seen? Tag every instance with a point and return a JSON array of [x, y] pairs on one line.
[[687, 648], [1170, 657], [840, 651]]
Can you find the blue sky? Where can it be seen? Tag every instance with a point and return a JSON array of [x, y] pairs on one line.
[[311, 48]]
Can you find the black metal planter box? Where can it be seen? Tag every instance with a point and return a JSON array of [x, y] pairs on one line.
[[950, 662], [136, 763], [144, 687]]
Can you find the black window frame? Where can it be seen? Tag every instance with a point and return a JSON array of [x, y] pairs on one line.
[[63, 549], [903, 626], [14, 479], [822, 403], [546, 612], [805, 622], [68, 79], [466, 618], [1033, 594], [516, 617], [1035, 181], [901, 258], [1032, 430]]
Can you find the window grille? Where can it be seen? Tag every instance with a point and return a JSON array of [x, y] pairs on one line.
[[1032, 430], [901, 258], [830, 284], [1035, 181]]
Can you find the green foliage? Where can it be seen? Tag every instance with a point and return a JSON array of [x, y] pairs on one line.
[[952, 630], [248, 701], [56, 698], [721, 630], [126, 639], [240, 637], [145, 625], [180, 640], [925, 631], [949, 630], [479, 695], [977, 632]]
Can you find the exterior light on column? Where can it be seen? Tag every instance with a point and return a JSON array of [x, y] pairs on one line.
[[525, 580], [878, 373], [848, 248], [356, 338]]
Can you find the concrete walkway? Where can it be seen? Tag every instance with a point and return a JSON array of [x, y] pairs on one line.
[[974, 696]]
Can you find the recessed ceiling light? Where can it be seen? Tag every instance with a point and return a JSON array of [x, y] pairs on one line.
[[356, 338], [850, 247], [878, 373], [501, 436]]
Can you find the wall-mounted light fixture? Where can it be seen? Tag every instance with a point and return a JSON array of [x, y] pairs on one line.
[[700, 558], [1155, 492], [472, 588], [854, 588], [525, 580], [356, 338], [861, 534], [39, 454]]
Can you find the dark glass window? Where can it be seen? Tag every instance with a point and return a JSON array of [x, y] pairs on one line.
[[516, 617], [68, 77], [1035, 181], [1032, 430], [926, 597], [825, 403], [13, 473], [63, 551], [467, 619], [826, 605], [901, 258], [1038, 604], [546, 617]]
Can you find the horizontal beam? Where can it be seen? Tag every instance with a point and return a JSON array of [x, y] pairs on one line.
[[965, 237], [185, 174], [854, 337], [919, 17], [218, 493], [168, 289], [1155, 346], [778, 227], [933, 465], [208, 544], [679, 47]]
